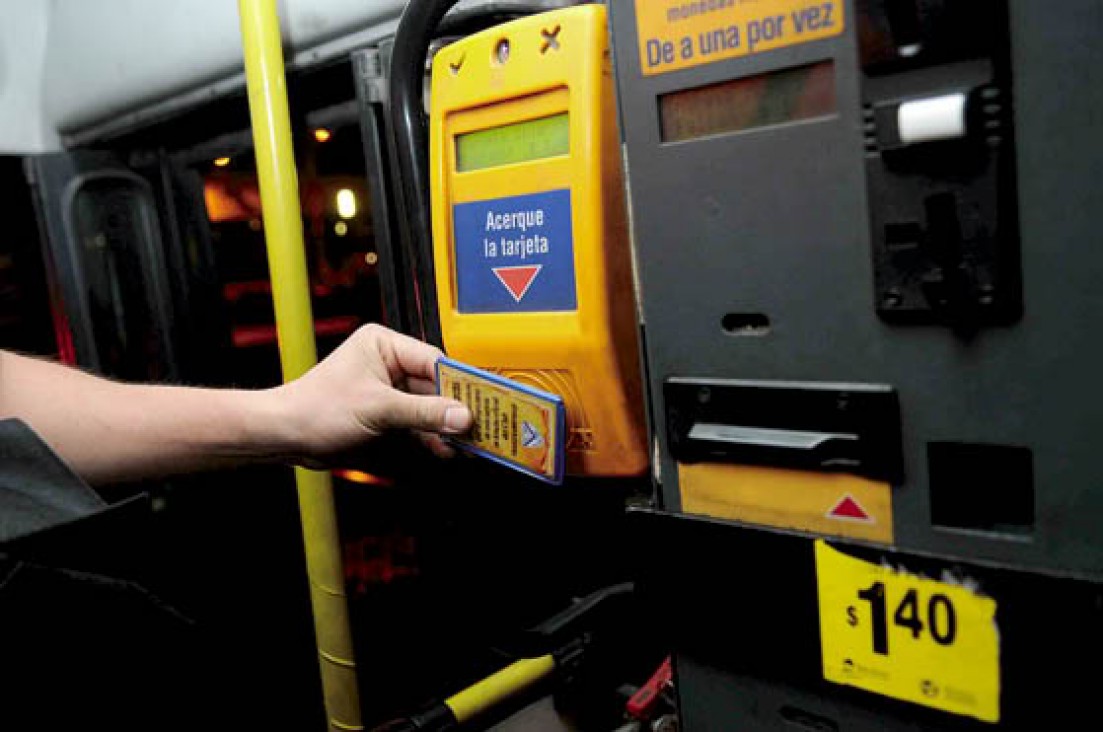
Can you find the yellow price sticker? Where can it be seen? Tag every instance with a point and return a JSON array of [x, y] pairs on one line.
[[907, 637]]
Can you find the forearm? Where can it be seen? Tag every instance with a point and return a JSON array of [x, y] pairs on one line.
[[377, 381], [109, 432]]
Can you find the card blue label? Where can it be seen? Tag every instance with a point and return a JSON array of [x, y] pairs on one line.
[[515, 254]]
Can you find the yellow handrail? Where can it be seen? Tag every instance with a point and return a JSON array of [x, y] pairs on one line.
[[496, 688], [279, 193]]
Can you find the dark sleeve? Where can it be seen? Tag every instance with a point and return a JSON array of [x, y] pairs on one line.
[[37, 489], [84, 645]]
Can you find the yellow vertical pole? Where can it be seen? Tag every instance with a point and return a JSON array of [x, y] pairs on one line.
[[279, 192]]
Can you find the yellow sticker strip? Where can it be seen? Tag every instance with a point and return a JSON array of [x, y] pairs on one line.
[[678, 34], [835, 504], [515, 424], [907, 637]]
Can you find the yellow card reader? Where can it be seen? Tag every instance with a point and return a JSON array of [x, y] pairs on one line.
[[533, 268]]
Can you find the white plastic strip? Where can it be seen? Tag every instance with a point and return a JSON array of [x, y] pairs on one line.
[[935, 118]]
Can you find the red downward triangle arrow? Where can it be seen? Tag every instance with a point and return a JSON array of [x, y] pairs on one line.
[[518, 280], [849, 508]]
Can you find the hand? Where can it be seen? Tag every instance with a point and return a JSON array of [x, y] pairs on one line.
[[376, 382]]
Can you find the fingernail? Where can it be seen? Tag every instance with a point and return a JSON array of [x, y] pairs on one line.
[[457, 419]]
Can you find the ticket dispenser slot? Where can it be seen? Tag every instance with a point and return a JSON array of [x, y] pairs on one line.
[[939, 161], [851, 428], [530, 246], [813, 456]]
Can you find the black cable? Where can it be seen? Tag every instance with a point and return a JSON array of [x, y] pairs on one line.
[[411, 44]]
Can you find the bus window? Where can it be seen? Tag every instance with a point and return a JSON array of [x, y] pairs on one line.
[[339, 240]]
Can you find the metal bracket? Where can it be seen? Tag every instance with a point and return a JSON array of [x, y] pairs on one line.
[[368, 68]]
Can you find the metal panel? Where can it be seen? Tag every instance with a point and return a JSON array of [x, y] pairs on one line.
[[371, 68], [775, 221]]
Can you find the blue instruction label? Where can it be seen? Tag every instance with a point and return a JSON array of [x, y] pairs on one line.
[[515, 254]]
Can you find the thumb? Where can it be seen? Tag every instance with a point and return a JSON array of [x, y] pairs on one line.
[[428, 413]]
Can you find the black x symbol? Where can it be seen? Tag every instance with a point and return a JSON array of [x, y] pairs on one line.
[[551, 39]]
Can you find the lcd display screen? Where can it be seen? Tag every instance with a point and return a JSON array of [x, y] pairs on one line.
[[777, 97], [519, 142]]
